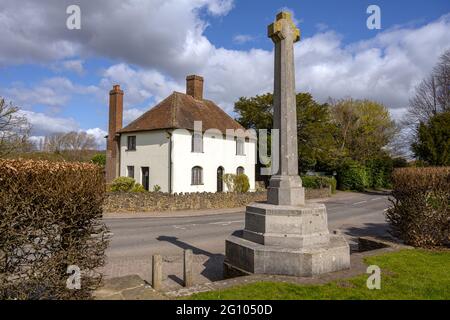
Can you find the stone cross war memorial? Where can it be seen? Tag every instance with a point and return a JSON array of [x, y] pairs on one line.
[[285, 235]]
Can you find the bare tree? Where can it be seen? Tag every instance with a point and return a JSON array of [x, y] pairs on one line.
[[54, 142], [14, 130], [79, 141], [432, 94], [71, 141]]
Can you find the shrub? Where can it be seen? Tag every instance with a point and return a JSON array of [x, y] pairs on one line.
[[236, 183], [317, 182], [242, 184], [50, 218], [122, 184], [156, 188], [379, 171], [352, 176], [420, 211], [333, 184], [138, 188], [229, 180], [99, 159]]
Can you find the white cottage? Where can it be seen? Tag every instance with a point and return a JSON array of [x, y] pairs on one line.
[[164, 147]]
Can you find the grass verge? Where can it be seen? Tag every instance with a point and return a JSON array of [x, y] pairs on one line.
[[406, 274]]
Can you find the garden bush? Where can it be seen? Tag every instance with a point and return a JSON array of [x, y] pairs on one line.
[[420, 211], [99, 159], [352, 176], [379, 172], [236, 183], [122, 184], [138, 188], [242, 183], [317, 182], [50, 219]]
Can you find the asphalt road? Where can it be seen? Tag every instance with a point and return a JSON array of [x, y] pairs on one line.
[[354, 214]]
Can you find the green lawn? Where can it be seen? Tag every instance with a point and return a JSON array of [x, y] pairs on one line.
[[406, 274]]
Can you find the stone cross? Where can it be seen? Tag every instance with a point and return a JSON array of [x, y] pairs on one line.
[[285, 185]]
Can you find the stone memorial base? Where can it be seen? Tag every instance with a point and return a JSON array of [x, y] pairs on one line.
[[285, 240]]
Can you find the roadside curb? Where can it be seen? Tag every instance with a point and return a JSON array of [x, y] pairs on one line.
[[173, 214]]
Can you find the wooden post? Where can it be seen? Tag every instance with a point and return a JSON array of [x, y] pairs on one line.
[[187, 268], [2, 269], [156, 271]]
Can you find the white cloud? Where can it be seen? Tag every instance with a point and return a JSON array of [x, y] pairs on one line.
[[243, 38], [53, 92], [43, 124], [220, 7], [75, 66], [159, 42], [131, 115], [139, 84], [385, 68], [99, 136]]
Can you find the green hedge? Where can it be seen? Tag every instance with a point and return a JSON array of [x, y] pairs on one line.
[[352, 176], [374, 174], [317, 182]]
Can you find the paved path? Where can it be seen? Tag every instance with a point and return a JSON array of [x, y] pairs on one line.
[[135, 239]]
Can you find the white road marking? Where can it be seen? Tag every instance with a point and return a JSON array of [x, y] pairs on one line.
[[375, 199], [225, 223], [222, 223], [359, 202]]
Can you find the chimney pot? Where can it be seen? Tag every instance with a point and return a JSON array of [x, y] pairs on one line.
[[194, 86]]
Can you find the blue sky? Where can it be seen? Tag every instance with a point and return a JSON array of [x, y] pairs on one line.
[[61, 78]]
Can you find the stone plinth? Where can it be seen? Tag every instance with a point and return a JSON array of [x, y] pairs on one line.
[[288, 226], [285, 240], [245, 257]]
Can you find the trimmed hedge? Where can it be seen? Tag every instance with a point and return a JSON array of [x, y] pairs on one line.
[[50, 219], [420, 211], [374, 174], [318, 182]]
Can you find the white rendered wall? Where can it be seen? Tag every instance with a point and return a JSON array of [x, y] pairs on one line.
[[216, 152], [152, 150]]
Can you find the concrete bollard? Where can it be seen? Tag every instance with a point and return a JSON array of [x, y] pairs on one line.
[[187, 268], [156, 271]]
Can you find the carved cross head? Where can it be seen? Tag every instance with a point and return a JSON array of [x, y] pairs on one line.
[[283, 28]]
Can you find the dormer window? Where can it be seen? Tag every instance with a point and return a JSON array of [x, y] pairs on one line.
[[240, 143], [197, 142], [131, 143]]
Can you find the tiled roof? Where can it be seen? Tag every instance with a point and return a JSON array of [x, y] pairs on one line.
[[179, 111]]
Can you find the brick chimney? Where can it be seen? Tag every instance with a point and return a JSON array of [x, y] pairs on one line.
[[113, 141], [194, 86]]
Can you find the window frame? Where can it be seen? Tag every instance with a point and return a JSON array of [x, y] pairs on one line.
[[240, 142], [128, 172], [197, 176], [196, 135], [131, 139]]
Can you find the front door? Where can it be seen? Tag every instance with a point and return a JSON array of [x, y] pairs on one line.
[[145, 177], [220, 179]]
